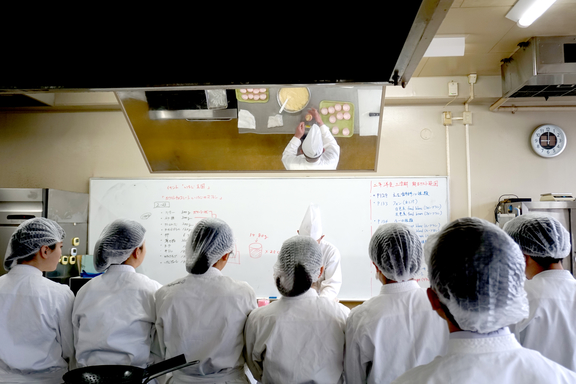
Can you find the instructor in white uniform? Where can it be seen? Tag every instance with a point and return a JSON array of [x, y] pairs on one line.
[[114, 313], [396, 330], [35, 313], [330, 280], [477, 285], [319, 149], [551, 325], [300, 337], [203, 314]]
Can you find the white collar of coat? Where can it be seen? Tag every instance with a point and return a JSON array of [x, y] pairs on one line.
[[119, 268], [554, 274], [404, 286], [483, 345], [23, 269], [309, 294]]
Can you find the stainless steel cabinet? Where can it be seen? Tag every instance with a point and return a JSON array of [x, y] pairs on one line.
[[69, 209]]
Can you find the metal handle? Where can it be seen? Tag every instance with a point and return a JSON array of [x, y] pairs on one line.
[[166, 366]]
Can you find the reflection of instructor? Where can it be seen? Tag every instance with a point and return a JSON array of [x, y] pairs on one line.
[[319, 149]]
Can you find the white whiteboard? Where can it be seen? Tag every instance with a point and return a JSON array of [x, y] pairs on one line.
[[263, 213]]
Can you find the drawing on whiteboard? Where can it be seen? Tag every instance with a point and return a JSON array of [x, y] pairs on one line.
[[146, 216], [161, 204], [255, 250]]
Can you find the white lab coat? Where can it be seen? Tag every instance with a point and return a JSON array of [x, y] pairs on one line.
[[491, 360], [35, 327], [551, 326], [297, 340], [113, 319], [392, 333], [203, 317], [328, 285], [329, 160]]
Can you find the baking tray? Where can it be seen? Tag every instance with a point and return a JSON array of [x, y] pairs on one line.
[[239, 96], [341, 124]]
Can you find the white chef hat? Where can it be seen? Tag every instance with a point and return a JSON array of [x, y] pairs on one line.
[[312, 223], [313, 145]]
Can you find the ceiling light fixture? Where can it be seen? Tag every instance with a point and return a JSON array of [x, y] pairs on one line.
[[525, 12], [443, 46]]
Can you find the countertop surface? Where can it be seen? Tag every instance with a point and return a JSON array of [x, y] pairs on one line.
[[261, 111]]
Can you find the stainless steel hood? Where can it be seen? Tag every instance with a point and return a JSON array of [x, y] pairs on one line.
[[541, 67]]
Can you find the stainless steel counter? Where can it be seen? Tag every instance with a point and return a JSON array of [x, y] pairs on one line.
[[262, 111]]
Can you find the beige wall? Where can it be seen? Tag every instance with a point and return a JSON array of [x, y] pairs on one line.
[[64, 150]]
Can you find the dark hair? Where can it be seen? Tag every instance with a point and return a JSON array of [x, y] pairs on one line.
[[31, 257], [545, 262], [201, 266], [302, 282]]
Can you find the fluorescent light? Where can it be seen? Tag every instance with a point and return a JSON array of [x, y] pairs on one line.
[[445, 46], [525, 12]]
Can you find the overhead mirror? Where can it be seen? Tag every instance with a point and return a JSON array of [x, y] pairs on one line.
[[253, 129]]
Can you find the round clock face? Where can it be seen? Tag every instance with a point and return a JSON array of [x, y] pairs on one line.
[[548, 140]]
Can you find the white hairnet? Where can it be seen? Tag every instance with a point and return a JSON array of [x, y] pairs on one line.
[[313, 145], [396, 250], [539, 236], [117, 242], [478, 273], [210, 239], [312, 223], [29, 237], [298, 265]]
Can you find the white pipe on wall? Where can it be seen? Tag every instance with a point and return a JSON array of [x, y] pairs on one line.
[[468, 177]]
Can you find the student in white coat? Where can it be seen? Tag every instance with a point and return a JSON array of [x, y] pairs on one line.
[[398, 329], [35, 313], [114, 313], [203, 314], [329, 283], [477, 285], [551, 326], [300, 337], [318, 151]]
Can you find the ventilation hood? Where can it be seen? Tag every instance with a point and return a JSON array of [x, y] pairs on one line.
[[285, 47], [541, 67]]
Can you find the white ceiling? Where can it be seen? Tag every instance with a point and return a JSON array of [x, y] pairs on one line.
[[491, 37]]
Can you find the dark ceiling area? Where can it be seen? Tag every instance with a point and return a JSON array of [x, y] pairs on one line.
[[346, 43]]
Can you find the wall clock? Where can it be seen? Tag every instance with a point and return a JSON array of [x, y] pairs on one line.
[[548, 140]]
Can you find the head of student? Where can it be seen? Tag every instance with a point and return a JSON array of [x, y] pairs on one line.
[[476, 276], [542, 239], [312, 145], [37, 242], [396, 250], [120, 241], [210, 244], [299, 265]]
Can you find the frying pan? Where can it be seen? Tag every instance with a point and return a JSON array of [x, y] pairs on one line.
[[124, 374]]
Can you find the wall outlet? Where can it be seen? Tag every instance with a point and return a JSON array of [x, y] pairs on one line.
[[447, 118], [467, 118], [452, 88]]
